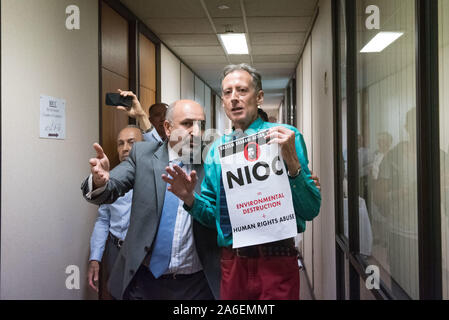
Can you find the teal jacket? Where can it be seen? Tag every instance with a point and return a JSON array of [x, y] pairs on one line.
[[206, 207]]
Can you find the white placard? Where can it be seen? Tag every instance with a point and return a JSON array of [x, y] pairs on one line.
[[257, 191], [52, 118]]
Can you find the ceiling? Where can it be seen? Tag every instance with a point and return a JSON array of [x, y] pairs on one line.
[[276, 29]]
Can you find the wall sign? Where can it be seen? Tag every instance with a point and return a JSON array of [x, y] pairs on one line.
[[52, 118]]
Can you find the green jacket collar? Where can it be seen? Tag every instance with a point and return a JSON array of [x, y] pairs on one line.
[[254, 127]]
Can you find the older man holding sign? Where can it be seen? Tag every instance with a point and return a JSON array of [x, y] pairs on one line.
[[257, 192]]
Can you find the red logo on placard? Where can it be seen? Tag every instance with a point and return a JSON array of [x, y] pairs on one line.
[[252, 152]]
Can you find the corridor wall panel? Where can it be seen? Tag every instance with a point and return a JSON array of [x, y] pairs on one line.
[[112, 119], [307, 134], [322, 153], [147, 72], [147, 63], [223, 123], [299, 96], [115, 75], [170, 76], [307, 98], [187, 83], [114, 38], [45, 222], [199, 91], [314, 98], [207, 106]]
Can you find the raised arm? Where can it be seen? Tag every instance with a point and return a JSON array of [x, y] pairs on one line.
[[136, 110], [102, 186], [99, 167]]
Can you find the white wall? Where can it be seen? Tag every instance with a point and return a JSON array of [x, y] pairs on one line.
[[178, 82], [280, 114], [223, 124], [45, 222], [315, 118], [170, 76], [305, 114], [207, 106], [307, 98], [187, 83], [199, 91], [323, 153], [299, 95]]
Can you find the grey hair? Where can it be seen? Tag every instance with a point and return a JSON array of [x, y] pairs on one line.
[[169, 112], [257, 78], [133, 126]]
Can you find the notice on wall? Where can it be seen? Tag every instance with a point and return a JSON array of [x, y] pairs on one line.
[[257, 191], [52, 118]]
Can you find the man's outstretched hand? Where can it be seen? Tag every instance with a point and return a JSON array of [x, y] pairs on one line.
[[181, 184], [99, 167]]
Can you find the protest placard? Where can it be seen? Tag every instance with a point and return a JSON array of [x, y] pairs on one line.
[[257, 191]]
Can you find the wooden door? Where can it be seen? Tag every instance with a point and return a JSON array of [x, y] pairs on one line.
[[115, 75]]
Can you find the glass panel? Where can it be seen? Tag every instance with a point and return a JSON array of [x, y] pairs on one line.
[[343, 228], [443, 19], [387, 142]]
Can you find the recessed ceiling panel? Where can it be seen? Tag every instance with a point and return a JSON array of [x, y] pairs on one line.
[[293, 38], [237, 59], [275, 65], [199, 51], [146, 9], [275, 50], [277, 30], [278, 24], [187, 40], [279, 8], [229, 24], [161, 26], [278, 58], [223, 8], [205, 60]]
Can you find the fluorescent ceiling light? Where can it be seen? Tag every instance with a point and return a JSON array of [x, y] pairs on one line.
[[381, 41], [234, 43]]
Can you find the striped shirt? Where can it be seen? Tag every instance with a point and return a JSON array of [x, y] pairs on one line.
[[184, 257]]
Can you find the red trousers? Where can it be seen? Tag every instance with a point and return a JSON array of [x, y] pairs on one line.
[[261, 278]]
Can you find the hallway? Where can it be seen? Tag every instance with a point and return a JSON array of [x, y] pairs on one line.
[[365, 82]]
